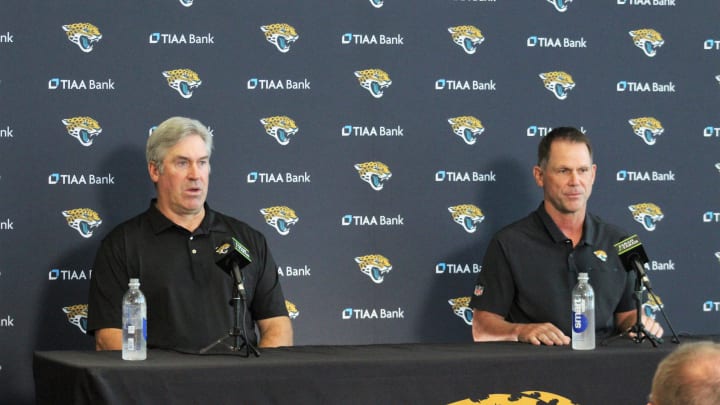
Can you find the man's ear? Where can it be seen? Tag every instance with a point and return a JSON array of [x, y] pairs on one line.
[[538, 175], [154, 172]]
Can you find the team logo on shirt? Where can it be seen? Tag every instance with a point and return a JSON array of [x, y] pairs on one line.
[[647, 214], [291, 309], [479, 290], [77, 315], [83, 220], [461, 308], [374, 266], [601, 254]]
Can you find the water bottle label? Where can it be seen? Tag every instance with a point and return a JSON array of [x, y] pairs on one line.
[[580, 322], [145, 328]]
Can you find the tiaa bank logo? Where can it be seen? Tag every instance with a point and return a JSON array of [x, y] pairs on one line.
[[83, 220], [280, 127], [280, 217], [467, 127], [374, 173], [559, 83], [648, 40], [468, 37], [647, 128], [374, 81], [711, 216], [560, 5], [184, 81], [84, 35], [461, 307], [82, 128], [281, 35], [467, 215], [647, 214], [291, 309], [77, 315], [374, 266]]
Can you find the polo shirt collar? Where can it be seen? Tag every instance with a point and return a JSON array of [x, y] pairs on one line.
[[160, 222], [589, 227]]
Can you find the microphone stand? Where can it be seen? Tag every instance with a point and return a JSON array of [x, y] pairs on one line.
[[639, 329], [238, 334]]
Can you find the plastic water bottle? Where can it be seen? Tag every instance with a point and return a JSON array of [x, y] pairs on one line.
[[134, 323], [583, 314]]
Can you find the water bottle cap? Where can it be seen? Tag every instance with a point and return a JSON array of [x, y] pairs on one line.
[[134, 282], [583, 276]]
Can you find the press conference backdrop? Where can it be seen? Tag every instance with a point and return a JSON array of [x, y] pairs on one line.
[[377, 144]]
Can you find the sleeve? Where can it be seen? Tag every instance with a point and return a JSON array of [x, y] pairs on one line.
[[268, 300], [107, 286], [494, 288]]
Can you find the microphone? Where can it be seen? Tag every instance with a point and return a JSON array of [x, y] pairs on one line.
[[231, 256], [633, 257]]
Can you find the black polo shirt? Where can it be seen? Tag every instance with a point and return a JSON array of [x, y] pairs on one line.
[[531, 267], [187, 294]]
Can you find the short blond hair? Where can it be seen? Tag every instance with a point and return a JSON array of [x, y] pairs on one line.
[[690, 375]]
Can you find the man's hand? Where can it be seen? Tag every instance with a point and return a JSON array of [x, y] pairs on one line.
[[491, 327], [626, 320], [542, 334]]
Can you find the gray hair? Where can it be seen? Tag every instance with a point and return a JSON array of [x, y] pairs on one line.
[[688, 376], [169, 133]]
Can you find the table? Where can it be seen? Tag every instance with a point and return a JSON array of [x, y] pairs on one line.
[[619, 373]]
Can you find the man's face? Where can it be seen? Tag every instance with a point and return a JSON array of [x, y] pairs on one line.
[[183, 184], [568, 176]]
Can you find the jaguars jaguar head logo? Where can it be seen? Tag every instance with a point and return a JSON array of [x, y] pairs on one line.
[[374, 266], [280, 217], [647, 128], [280, 127], [461, 308], [468, 37], [601, 254], [522, 398], [83, 220], [560, 5], [291, 309], [648, 40], [647, 214], [374, 173], [377, 3], [77, 315], [374, 81], [84, 35], [182, 80], [84, 129], [467, 215], [186, 3], [717, 256], [652, 305], [281, 35], [467, 127], [558, 83]]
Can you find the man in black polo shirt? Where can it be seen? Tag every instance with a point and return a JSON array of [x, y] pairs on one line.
[[530, 267], [171, 247]]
